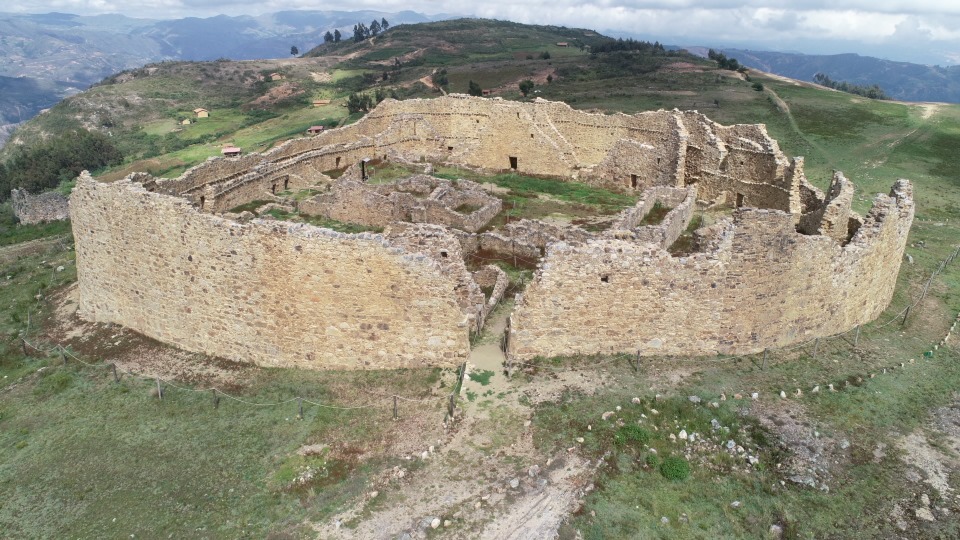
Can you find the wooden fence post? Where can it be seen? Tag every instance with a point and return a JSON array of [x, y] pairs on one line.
[[905, 315], [394, 407], [764, 364], [451, 405], [116, 377], [216, 399], [300, 408], [856, 337], [159, 389]]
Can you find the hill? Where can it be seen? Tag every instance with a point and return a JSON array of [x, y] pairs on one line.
[[86, 454], [900, 80], [63, 53]]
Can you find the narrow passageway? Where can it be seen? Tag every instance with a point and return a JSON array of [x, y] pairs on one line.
[[485, 365]]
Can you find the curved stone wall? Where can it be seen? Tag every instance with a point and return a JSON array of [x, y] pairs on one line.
[[791, 264]]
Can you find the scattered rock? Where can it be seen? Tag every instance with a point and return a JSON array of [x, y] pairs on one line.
[[925, 514], [654, 412], [606, 415], [446, 523], [635, 401], [694, 399], [731, 444], [683, 434], [715, 424], [776, 531], [738, 396], [665, 520], [533, 471], [816, 389], [580, 439], [735, 504], [59, 269], [755, 396], [514, 483], [434, 523], [783, 395]]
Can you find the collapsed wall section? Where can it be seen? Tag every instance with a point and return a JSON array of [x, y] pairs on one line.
[[763, 285], [272, 293]]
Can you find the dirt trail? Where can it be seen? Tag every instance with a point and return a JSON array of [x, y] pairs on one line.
[[488, 480]]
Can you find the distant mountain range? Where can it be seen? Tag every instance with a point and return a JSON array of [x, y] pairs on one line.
[[900, 80], [44, 58]]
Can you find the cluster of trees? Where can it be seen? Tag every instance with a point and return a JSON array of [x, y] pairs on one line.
[[440, 79], [363, 102], [627, 45], [58, 159], [332, 37], [724, 62], [362, 31], [873, 91]]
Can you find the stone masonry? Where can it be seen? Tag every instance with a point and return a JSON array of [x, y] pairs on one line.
[[791, 263], [47, 206]]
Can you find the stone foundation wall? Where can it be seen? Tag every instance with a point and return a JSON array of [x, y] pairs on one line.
[[762, 286], [272, 293], [47, 206]]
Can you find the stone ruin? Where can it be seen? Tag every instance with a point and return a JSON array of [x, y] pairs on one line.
[[784, 264], [45, 207]]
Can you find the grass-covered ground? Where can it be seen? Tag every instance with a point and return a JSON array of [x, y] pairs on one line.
[[83, 456]]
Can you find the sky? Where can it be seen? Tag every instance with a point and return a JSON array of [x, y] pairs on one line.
[[925, 31]]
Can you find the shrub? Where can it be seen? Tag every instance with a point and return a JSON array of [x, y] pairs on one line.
[[758, 87], [631, 434], [675, 468], [652, 460]]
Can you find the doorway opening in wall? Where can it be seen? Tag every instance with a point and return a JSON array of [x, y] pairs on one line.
[[338, 163], [286, 184], [444, 254], [513, 162], [203, 200], [633, 181], [739, 200], [273, 189]]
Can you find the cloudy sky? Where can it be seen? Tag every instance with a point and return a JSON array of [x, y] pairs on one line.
[[926, 31]]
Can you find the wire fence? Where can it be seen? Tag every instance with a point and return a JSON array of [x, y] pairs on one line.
[[451, 399]]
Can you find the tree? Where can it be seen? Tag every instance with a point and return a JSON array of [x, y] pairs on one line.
[[328, 37], [384, 24], [525, 87], [294, 50], [380, 95], [474, 89], [360, 32], [359, 103], [336, 36], [545, 55], [374, 27], [440, 79]]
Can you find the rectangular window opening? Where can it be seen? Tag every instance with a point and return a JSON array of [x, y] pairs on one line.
[[513, 162], [605, 279], [633, 181]]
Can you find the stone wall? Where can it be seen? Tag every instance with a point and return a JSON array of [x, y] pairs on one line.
[[680, 201], [272, 293], [763, 285], [619, 151], [47, 206]]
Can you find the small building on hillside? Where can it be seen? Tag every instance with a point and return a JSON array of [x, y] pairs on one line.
[[276, 76], [201, 113], [185, 122], [230, 151], [562, 44], [315, 129], [320, 102], [486, 92]]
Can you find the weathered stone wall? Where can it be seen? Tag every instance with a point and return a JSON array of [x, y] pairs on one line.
[[680, 201], [47, 206], [762, 286], [623, 152], [273, 293]]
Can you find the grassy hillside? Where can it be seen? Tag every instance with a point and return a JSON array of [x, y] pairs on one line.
[[84, 456]]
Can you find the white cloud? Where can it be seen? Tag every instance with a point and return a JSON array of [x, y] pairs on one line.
[[771, 22]]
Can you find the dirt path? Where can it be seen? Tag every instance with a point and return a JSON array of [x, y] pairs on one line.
[[488, 480]]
